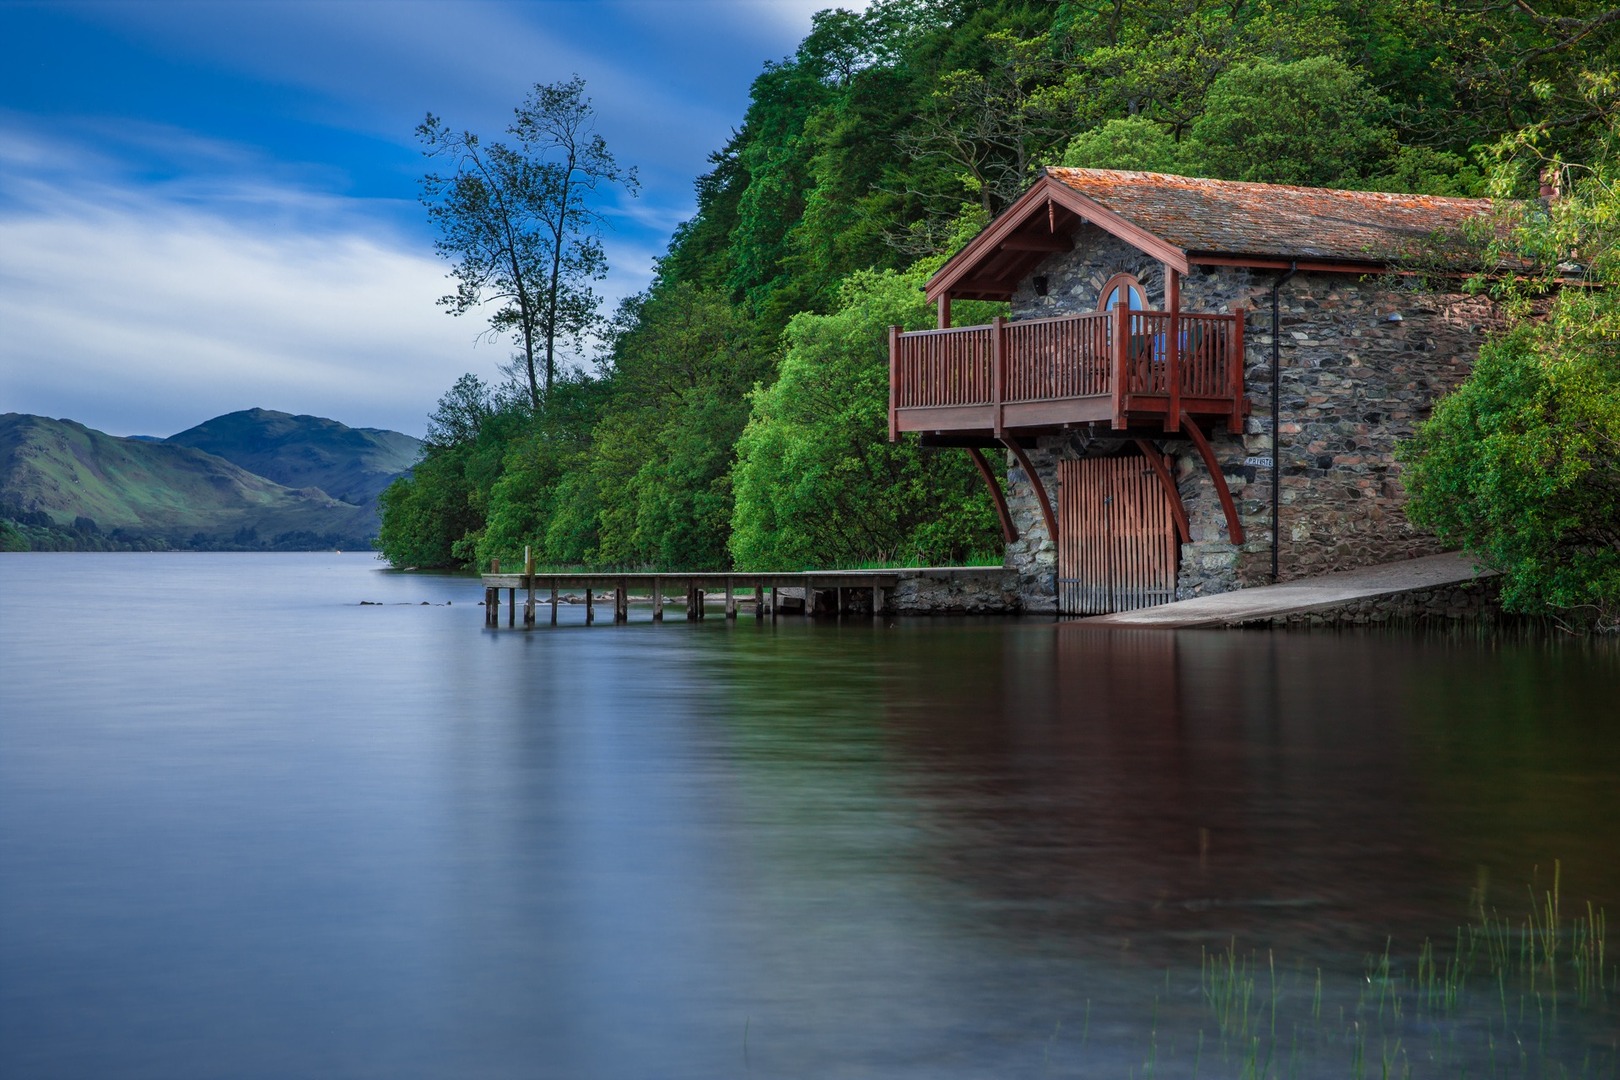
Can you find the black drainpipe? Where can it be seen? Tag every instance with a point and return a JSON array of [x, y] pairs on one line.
[[1276, 398]]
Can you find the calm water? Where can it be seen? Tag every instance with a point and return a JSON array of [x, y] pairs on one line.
[[250, 827]]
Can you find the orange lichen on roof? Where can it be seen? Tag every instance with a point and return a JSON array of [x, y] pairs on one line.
[[1233, 218]]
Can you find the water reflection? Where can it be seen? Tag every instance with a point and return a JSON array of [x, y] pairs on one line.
[[338, 840]]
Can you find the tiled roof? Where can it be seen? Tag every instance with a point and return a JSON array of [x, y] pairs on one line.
[[1227, 217]]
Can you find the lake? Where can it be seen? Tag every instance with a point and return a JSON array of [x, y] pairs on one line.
[[253, 827]]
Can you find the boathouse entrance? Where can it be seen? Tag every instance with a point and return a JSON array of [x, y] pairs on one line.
[[1117, 548]]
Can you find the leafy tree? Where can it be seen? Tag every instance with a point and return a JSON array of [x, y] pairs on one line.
[[520, 223], [538, 480], [991, 126], [817, 482], [1498, 69], [1312, 122], [1132, 142], [1158, 58], [1521, 465], [434, 516], [681, 367]]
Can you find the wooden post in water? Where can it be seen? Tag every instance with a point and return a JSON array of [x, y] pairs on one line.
[[701, 604], [590, 604], [759, 601], [511, 606], [877, 600], [658, 600], [838, 602], [731, 600], [809, 598], [528, 581], [621, 602]]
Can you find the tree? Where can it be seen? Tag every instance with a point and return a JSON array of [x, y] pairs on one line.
[[520, 223], [1311, 122], [1521, 465], [1132, 142], [681, 370], [817, 483]]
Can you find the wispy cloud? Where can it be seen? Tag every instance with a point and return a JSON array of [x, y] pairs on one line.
[[138, 312]]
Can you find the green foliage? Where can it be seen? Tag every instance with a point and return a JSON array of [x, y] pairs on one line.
[[817, 481], [1313, 122], [1133, 142], [435, 516], [682, 365], [1521, 465]]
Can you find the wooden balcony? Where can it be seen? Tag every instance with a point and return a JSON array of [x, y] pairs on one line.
[[1129, 369]]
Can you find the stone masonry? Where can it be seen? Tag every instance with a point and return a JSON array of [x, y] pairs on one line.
[[1363, 361]]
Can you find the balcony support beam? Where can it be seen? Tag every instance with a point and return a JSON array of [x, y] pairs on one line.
[[1234, 527], [1009, 531], [1161, 466], [1035, 485]]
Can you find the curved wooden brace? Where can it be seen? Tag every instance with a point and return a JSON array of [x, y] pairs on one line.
[[1234, 528], [1168, 482], [1035, 482], [1009, 531]]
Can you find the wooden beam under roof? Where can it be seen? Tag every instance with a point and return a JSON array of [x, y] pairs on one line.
[[1052, 244]]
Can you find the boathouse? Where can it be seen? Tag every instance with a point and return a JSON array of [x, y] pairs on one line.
[[1201, 384]]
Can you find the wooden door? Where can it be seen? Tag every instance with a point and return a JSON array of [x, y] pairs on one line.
[[1117, 546]]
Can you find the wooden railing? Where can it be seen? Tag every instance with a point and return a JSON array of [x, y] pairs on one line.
[[945, 367], [1054, 358], [1117, 354]]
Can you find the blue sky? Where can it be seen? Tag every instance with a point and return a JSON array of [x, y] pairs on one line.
[[208, 205]]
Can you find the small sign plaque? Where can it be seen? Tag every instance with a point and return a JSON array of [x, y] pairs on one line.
[[1258, 462]]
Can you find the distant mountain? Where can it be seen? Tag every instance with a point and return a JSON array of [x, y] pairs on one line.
[[351, 464], [57, 476]]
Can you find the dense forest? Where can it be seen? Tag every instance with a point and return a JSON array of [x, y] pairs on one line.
[[736, 413]]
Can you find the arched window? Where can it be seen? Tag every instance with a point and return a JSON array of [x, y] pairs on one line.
[[1123, 289]]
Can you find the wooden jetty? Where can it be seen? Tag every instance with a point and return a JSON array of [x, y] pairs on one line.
[[823, 592]]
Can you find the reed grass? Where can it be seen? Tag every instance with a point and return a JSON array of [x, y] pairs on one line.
[[1532, 998]]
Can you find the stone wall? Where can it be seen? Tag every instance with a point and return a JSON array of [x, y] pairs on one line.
[[955, 591], [1363, 361], [1470, 602]]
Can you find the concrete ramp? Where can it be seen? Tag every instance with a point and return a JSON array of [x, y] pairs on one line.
[[1267, 602]]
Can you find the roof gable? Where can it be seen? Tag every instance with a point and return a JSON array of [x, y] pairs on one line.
[[1185, 220]]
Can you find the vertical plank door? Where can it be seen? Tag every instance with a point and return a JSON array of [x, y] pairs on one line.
[[1117, 547]]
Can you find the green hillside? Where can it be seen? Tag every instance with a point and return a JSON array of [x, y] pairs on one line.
[[65, 485], [351, 464]]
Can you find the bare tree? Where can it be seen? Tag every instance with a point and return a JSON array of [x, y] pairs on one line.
[[521, 222]]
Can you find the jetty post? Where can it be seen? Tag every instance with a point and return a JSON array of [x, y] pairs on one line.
[[528, 577]]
